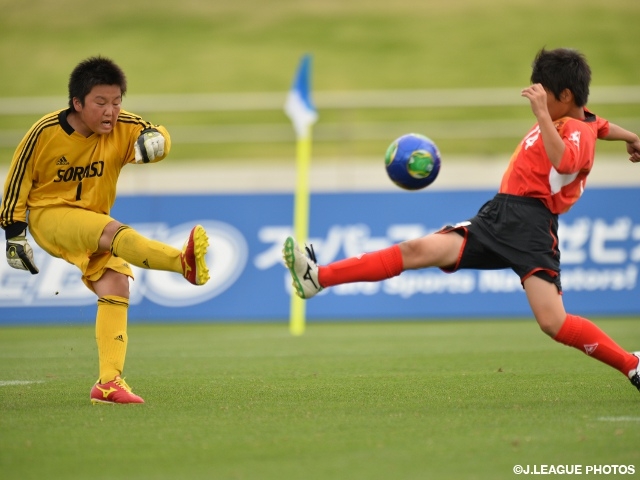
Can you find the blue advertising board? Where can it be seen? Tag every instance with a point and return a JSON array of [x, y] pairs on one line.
[[599, 241]]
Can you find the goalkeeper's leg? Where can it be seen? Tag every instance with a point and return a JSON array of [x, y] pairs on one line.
[[112, 289], [111, 336], [142, 252]]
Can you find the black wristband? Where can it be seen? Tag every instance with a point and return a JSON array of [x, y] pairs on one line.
[[14, 229]]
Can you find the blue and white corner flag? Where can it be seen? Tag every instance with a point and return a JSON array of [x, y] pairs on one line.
[[298, 106]]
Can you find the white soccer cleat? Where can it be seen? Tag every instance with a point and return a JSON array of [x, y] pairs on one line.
[[634, 375], [303, 268]]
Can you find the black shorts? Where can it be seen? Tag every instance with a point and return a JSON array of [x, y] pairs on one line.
[[511, 232]]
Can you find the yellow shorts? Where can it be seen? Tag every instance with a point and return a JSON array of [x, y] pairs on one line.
[[73, 234]]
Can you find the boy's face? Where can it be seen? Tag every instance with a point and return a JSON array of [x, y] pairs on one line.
[[559, 108], [100, 110]]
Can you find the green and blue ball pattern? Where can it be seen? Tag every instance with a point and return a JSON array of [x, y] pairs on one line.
[[412, 161]]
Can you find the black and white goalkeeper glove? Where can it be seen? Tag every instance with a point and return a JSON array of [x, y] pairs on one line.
[[149, 146], [20, 254]]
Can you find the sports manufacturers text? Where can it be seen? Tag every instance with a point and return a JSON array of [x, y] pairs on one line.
[[578, 469], [600, 260]]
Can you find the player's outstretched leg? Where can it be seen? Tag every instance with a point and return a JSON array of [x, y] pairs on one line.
[[192, 257], [303, 268], [115, 391], [634, 375]]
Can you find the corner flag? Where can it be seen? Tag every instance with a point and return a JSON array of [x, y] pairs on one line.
[[300, 109]]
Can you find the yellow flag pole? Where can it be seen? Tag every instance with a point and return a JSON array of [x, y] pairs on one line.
[[297, 320], [302, 113]]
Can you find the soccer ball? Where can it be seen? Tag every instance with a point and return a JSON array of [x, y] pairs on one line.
[[412, 161]]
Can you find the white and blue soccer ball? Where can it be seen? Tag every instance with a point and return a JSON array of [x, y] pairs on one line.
[[412, 161]]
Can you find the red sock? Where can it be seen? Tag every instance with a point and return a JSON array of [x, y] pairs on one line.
[[369, 267], [584, 335]]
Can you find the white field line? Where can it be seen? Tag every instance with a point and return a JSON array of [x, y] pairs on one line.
[[193, 102], [336, 132], [331, 132], [619, 419], [7, 383]]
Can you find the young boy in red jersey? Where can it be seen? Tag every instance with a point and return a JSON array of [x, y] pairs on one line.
[[62, 184], [517, 229]]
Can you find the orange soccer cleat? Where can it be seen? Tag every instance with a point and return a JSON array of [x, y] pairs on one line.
[[192, 257], [115, 391]]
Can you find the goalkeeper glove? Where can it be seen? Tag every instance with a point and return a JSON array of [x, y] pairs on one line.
[[20, 254], [149, 146]]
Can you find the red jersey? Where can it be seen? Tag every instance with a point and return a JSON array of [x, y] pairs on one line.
[[530, 173]]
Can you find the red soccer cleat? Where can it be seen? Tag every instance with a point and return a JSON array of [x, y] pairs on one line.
[[115, 391], [192, 257]]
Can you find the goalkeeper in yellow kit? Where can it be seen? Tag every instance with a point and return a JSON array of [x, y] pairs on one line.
[[62, 185]]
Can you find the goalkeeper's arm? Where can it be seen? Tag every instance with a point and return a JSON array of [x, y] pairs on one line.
[[19, 252]]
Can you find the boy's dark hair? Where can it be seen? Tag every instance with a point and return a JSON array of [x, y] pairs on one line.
[[563, 68], [91, 72]]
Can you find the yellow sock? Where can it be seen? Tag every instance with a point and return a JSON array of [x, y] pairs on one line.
[[111, 336], [143, 252]]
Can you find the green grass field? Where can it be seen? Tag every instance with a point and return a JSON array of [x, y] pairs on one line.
[[253, 45], [445, 400]]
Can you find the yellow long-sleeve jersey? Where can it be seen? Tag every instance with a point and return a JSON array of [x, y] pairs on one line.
[[55, 165]]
